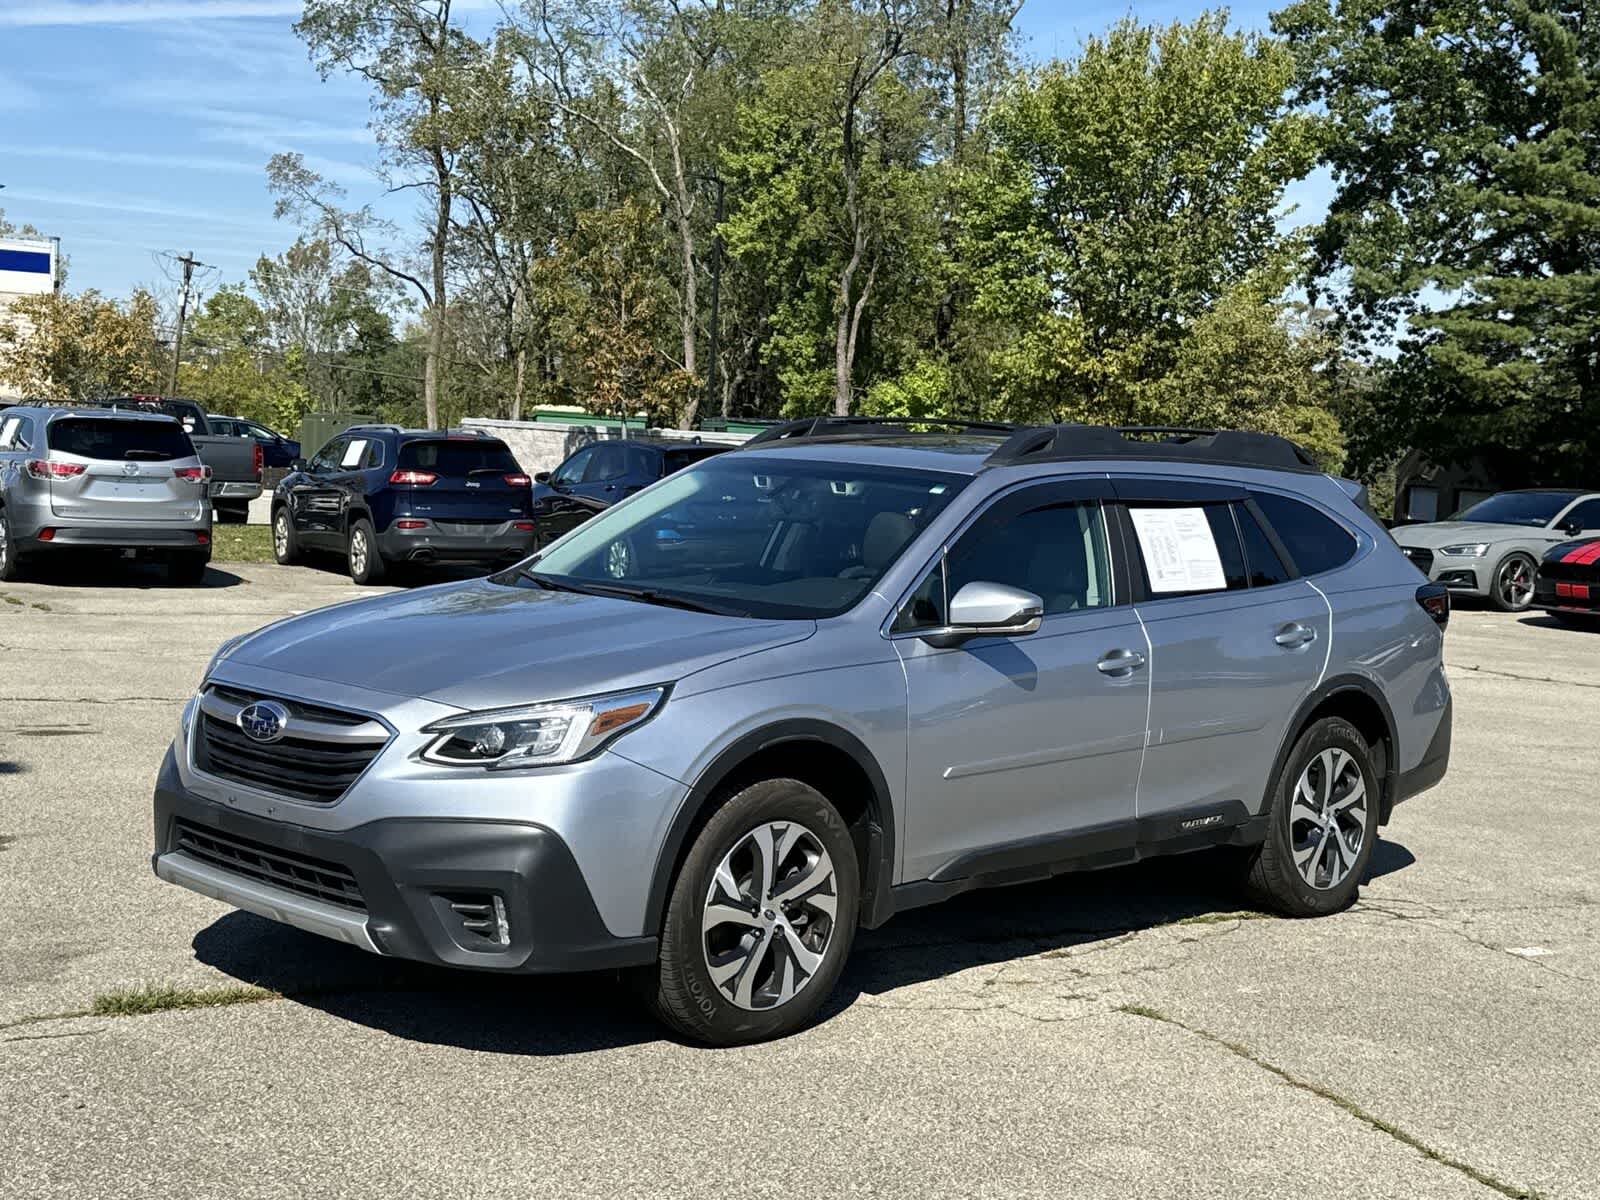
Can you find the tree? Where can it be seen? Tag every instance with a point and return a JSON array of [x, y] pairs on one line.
[[231, 366], [66, 347], [1126, 193], [408, 50], [1466, 220]]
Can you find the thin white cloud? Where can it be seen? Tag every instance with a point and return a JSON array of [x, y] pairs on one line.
[[119, 205], [131, 158], [129, 12]]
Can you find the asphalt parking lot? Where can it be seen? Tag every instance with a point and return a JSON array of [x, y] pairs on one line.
[[1129, 1033]]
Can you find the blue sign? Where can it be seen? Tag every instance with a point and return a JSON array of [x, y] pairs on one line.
[[32, 262]]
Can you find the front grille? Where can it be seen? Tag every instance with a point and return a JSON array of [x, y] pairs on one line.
[[297, 708], [314, 877], [300, 768], [1420, 555]]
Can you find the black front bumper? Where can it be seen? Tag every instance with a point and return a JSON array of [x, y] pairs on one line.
[[407, 870]]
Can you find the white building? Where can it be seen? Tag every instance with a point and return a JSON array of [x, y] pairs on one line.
[[27, 268]]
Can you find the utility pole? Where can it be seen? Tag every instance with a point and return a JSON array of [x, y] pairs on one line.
[[189, 264]]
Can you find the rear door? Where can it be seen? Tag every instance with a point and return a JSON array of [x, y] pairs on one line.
[[122, 469], [462, 484], [1236, 643]]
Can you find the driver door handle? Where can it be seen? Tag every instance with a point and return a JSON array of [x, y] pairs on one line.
[[1120, 662], [1294, 635]]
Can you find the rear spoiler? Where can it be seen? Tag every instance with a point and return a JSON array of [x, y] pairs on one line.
[[1357, 491]]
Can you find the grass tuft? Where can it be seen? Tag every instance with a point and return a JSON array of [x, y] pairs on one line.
[[140, 1001], [1218, 918], [241, 543], [1143, 1010]]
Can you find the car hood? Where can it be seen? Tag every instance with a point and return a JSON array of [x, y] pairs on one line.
[[1437, 534], [480, 645]]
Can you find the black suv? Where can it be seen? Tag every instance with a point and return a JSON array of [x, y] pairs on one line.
[[598, 475], [383, 496]]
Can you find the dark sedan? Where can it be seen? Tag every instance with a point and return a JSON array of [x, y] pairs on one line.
[[595, 477], [1568, 583]]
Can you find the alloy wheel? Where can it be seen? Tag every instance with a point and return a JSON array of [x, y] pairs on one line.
[[358, 552], [5, 545], [1514, 583], [1328, 819], [280, 535], [769, 914], [619, 559]]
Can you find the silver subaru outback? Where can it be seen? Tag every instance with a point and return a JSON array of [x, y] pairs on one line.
[[792, 690]]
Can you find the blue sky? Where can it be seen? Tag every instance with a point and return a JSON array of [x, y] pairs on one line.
[[133, 128]]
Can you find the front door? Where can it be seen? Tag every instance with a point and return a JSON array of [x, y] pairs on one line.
[[1024, 751]]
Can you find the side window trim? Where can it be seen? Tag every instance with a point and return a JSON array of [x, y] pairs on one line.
[[1045, 490], [1284, 556]]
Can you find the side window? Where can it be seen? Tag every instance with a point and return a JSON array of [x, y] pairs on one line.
[[1315, 542], [609, 462], [1188, 549], [328, 457], [1266, 568], [572, 470], [1056, 551], [1586, 514], [12, 434]]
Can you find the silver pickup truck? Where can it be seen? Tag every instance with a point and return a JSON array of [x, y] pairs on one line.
[[96, 479]]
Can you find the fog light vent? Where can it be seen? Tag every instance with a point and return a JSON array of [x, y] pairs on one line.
[[482, 916]]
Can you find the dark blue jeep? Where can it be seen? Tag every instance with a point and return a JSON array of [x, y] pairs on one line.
[[383, 496]]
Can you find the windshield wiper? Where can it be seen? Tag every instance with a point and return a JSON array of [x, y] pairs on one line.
[[624, 592]]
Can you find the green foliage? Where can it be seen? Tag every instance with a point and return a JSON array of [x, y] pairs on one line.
[[1465, 222], [63, 346], [1127, 193]]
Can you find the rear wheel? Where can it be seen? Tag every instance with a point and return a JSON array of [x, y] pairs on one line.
[[366, 563], [1322, 822], [760, 920], [285, 545], [10, 557], [1511, 589], [187, 569]]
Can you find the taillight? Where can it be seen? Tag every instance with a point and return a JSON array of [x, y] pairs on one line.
[[1435, 601], [414, 478], [44, 468], [525, 526], [192, 474], [518, 480], [256, 459], [202, 538], [46, 535], [409, 524]]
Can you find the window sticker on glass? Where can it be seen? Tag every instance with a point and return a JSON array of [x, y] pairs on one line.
[[353, 453], [1180, 555]]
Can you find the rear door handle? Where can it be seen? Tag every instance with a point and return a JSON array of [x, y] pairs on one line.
[[1295, 634], [1120, 662]]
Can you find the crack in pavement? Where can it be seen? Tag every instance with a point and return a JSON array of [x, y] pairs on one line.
[[1248, 1055], [1477, 670], [1443, 923]]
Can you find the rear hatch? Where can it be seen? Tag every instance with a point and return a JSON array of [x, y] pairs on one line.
[[462, 482], [123, 469]]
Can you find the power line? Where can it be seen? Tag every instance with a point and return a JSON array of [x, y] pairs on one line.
[[189, 264]]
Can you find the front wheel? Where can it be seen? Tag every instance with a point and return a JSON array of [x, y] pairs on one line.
[[1322, 821], [1511, 590], [285, 545], [366, 563], [761, 918]]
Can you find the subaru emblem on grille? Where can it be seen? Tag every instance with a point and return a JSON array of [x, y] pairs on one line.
[[264, 721]]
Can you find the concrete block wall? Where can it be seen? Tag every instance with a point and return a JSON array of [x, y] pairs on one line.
[[542, 445]]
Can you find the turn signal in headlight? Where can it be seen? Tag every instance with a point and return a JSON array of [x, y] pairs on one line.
[[539, 735]]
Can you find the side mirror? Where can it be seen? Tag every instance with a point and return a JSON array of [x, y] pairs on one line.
[[542, 477], [298, 464], [983, 609], [1572, 528]]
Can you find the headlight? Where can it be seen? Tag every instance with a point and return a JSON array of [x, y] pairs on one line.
[[538, 735], [1474, 550]]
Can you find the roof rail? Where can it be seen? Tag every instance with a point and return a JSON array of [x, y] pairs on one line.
[[1233, 447], [868, 427], [376, 427]]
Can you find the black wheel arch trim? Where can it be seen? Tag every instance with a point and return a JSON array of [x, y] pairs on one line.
[[876, 903], [1315, 699]]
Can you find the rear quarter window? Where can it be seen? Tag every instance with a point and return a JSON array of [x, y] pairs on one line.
[[458, 457], [119, 440], [1315, 542]]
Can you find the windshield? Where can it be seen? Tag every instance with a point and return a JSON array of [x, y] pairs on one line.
[[751, 536], [1518, 508], [109, 438]]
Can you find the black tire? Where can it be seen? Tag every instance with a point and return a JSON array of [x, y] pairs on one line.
[[285, 542], [12, 566], [187, 570], [680, 988], [1272, 877], [366, 563], [1511, 561]]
